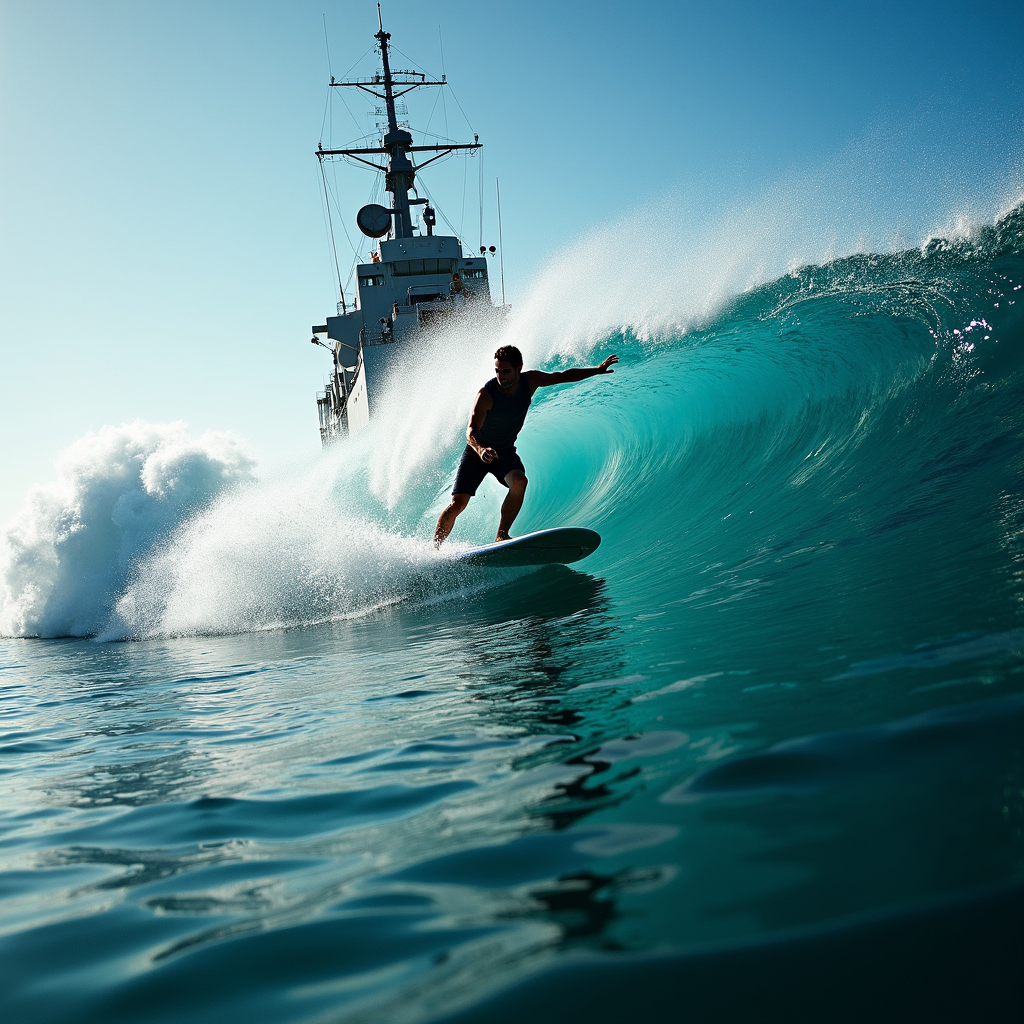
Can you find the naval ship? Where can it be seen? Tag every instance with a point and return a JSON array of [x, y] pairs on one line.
[[415, 278]]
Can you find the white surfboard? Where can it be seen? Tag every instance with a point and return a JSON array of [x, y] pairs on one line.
[[541, 548]]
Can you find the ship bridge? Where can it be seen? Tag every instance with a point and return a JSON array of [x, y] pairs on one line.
[[410, 285]]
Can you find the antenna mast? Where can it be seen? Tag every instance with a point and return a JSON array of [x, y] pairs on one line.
[[397, 143]]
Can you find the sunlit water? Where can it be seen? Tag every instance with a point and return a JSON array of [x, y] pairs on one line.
[[331, 776]]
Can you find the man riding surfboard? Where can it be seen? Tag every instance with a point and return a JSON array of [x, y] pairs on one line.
[[498, 415]]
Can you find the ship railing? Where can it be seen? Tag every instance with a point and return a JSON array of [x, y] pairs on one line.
[[332, 401], [324, 408], [443, 307], [385, 336]]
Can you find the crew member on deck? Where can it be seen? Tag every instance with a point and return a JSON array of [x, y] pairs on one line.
[[498, 415], [459, 292]]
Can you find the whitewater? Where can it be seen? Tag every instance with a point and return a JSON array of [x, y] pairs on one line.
[[267, 753]]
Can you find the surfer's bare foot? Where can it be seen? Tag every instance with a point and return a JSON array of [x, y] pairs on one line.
[[502, 535]]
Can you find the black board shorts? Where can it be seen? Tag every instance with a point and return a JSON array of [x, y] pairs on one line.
[[473, 469]]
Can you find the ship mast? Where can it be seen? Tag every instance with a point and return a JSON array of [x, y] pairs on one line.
[[400, 173], [397, 143]]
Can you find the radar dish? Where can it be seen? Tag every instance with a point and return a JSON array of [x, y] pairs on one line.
[[374, 220]]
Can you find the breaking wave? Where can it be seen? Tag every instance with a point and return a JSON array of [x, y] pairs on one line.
[[857, 391]]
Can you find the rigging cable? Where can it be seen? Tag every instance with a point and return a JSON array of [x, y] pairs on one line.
[[337, 206], [327, 103], [501, 246], [355, 252], [330, 221], [456, 98], [372, 46], [434, 135], [351, 271], [395, 49], [344, 76], [330, 101], [354, 119], [426, 131]]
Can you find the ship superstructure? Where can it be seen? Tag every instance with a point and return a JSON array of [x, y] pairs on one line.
[[414, 277]]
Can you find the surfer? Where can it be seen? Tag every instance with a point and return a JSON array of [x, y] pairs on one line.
[[498, 415]]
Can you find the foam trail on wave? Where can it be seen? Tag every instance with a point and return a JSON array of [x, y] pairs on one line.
[[287, 553], [149, 531]]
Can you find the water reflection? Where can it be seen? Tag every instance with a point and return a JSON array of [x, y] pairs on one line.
[[364, 746]]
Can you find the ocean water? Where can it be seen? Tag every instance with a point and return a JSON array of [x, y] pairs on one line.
[[266, 756]]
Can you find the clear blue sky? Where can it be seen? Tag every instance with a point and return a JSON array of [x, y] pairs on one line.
[[162, 246]]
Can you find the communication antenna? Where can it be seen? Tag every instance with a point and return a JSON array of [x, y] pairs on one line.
[[395, 145], [327, 43]]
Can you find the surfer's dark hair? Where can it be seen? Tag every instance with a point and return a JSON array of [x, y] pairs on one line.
[[510, 354]]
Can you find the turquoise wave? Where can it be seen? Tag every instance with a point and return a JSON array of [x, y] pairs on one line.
[[849, 426]]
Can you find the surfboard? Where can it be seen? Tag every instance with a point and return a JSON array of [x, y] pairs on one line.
[[544, 547]]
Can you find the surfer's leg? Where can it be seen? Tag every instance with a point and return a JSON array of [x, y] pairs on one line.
[[447, 518], [516, 482], [472, 470]]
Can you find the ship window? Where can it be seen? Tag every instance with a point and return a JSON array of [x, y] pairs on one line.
[[474, 275], [408, 268], [374, 281]]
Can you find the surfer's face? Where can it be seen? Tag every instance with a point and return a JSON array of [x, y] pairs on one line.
[[507, 374]]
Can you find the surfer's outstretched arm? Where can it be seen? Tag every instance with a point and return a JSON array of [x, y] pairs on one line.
[[542, 379]]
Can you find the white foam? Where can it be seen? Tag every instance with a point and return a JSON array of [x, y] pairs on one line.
[[119, 491], [148, 531], [293, 552]]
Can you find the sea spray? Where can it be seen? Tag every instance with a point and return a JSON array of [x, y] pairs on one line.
[[119, 492], [270, 556]]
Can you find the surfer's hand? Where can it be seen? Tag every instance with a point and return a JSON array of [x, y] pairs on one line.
[[488, 454], [606, 366]]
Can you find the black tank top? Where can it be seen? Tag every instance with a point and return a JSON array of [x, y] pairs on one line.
[[506, 416]]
